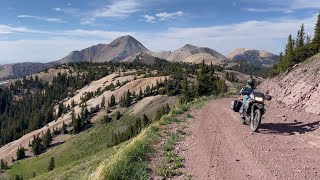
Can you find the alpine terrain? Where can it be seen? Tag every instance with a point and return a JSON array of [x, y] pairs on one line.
[[117, 108]]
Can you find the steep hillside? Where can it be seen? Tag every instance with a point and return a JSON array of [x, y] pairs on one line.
[[298, 88], [12, 71], [117, 50], [193, 54], [257, 57]]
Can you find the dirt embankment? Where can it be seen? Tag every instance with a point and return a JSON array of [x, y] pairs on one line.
[[286, 146], [298, 89]]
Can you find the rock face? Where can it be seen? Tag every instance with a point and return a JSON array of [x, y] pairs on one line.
[[299, 89], [257, 57], [192, 54], [119, 49], [13, 71]]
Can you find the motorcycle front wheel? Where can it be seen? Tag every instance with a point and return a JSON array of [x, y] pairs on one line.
[[256, 120]]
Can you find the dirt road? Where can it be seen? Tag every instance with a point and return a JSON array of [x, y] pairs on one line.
[[286, 147]]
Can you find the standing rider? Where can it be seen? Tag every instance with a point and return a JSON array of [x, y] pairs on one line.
[[245, 92]]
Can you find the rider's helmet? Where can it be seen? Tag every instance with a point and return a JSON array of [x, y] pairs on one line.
[[251, 82]]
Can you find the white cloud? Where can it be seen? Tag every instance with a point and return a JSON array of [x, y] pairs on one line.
[[120, 8], [285, 6], [268, 35], [4, 29], [149, 18], [57, 20], [56, 9], [284, 10], [88, 21], [165, 15]]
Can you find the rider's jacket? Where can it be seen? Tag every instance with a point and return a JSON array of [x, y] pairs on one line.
[[247, 90]]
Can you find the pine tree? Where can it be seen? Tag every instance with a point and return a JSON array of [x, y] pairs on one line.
[[21, 153], [72, 103], [112, 101], [76, 123], [140, 94], [289, 55], [103, 101], [147, 92], [128, 99], [36, 145], [51, 164], [315, 47], [185, 86], [145, 120], [118, 115], [300, 50], [64, 128], [3, 164], [47, 139]]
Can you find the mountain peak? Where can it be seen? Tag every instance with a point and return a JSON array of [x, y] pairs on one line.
[[125, 38], [119, 49], [188, 46], [257, 57]]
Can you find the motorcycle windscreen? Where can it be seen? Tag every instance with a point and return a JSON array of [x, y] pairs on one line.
[[258, 93]]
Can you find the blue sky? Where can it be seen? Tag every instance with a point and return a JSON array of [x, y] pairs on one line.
[[43, 30]]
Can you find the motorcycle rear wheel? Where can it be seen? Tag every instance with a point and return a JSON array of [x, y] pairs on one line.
[[256, 120]]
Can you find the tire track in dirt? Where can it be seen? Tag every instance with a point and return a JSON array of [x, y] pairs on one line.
[[221, 148]]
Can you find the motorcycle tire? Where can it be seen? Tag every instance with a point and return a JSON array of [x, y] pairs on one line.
[[256, 120]]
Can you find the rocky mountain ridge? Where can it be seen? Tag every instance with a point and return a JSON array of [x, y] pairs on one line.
[[258, 57], [127, 48], [192, 54]]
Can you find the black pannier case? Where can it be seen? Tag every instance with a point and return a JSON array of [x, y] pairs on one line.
[[236, 105]]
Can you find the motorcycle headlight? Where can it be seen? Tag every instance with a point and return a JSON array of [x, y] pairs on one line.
[[259, 99]]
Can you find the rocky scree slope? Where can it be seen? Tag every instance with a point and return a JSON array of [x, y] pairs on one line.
[[299, 87]]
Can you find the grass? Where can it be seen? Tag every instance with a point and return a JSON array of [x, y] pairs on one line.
[[131, 161], [75, 158], [170, 161]]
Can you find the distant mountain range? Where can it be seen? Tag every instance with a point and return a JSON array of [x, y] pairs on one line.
[[17, 70], [256, 57], [127, 48], [192, 54]]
